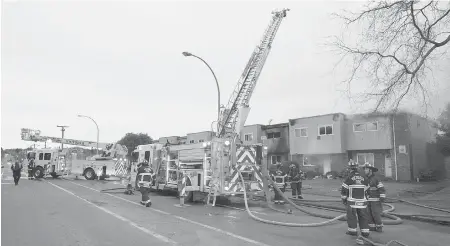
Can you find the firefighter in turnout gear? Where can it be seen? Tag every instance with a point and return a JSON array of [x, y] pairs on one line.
[[145, 178], [30, 168], [16, 169], [376, 196], [279, 177], [353, 195], [296, 181]]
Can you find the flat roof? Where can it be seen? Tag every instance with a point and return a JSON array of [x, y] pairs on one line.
[[315, 116]]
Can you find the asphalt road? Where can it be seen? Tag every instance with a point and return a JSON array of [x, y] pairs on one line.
[[74, 212]]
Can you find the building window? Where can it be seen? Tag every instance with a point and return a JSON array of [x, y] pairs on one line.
[[192, 141], [201, 140], [359, 127], [306, 162], [372, 126], [275, 159], [362, 158], [325, 130], [248, 137], [301, 132], [273, 135]]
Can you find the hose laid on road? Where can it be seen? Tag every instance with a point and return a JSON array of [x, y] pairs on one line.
[[421, 205], [394, 220], [282, 223], [342, 216], [379, 244]]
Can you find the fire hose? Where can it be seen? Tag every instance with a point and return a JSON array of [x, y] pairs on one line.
[[342, 216], [283, 223]]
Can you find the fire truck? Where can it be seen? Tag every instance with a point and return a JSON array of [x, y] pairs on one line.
[[57, 162], [212, 167], [173, 162]]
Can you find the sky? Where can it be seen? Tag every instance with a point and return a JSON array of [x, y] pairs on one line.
[[121, 64]]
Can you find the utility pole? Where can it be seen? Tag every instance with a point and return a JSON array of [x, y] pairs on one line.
[[63, 129]]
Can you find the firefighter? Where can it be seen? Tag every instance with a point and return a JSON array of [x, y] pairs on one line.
[[296, 181], [144, 177], [30, 168], [376, 196], [356, 185], [16, 169], [280, 180]]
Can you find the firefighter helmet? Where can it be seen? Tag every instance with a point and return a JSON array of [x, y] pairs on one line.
[[352, 164], [370, 166]]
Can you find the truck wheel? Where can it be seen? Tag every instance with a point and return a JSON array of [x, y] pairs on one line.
[[38, 173], [89, 174]]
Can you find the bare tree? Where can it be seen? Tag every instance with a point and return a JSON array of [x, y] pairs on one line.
[[399, 41]]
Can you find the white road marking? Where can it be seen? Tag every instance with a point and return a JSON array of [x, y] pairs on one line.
[[7, 183], [149, 232], [248, 240]]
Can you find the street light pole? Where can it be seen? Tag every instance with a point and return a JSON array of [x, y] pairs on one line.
[[217, 84], [98, 131], [63, 129]]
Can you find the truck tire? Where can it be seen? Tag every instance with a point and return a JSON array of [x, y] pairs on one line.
[[89, 174], [38, 173]]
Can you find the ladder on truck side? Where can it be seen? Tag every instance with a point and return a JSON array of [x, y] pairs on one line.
[[234, 115]]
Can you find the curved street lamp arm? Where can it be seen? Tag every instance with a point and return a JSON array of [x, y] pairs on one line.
[[217, 84]]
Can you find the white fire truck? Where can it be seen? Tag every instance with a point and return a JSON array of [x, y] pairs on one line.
[[57, 162], [173, 162]]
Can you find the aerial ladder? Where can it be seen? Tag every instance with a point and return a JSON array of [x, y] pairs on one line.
[[238, 103], [225, 178]]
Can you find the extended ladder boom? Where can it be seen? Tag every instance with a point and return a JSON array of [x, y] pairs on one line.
[[243, 91]]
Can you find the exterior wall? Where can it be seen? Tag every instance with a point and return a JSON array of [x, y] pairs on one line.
[[322, 163], [256, 132], [198, 137], [313, 143], [368, 139], [277, 146], [422, 134], [403, 137]]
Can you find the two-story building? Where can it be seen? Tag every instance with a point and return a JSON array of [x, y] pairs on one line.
[[390, 142], [317, 143]]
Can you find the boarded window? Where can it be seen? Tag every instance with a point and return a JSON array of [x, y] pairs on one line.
[[301, 132]]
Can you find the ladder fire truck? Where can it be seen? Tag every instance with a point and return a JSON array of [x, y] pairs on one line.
[[211, 167], [57, 162]]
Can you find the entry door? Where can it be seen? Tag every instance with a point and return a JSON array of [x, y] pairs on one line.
[[388, 166]]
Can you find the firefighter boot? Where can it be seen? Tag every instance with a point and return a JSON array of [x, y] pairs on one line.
[[379, 229]]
